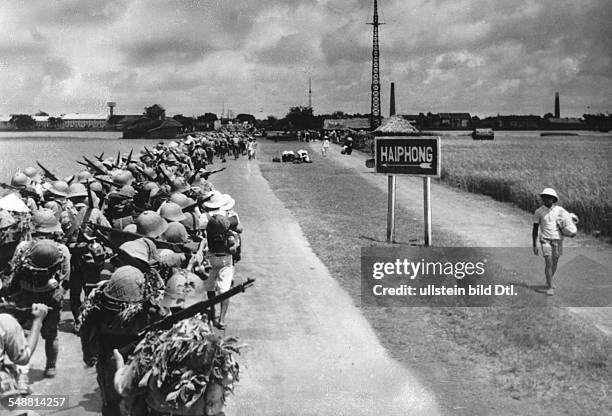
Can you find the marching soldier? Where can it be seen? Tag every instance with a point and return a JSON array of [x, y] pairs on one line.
[[40, 273]]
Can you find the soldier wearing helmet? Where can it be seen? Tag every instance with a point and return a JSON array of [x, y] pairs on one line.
[[112, 316], [40, 273], [21, 181], [545, 226], [87, 259], [56, 197]]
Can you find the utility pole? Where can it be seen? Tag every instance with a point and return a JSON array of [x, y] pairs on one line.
[[375, 117]]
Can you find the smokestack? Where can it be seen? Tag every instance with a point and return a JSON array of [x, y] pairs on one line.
[[557, 110], [392, 100]]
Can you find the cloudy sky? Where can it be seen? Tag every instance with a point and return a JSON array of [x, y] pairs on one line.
[[255, 56]]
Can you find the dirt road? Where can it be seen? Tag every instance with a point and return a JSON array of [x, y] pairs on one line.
[[481, 221]]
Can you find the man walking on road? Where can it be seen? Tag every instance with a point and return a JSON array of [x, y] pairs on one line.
[[545, 221]]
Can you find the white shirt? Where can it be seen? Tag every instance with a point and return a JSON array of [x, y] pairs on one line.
[[547, 220]]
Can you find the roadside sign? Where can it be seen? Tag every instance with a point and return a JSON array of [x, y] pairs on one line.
[[405, 155]]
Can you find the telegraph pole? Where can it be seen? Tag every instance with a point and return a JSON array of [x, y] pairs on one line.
[[375, 117]]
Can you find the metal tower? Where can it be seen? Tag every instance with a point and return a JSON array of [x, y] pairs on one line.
[[375, 117], [309, 93]]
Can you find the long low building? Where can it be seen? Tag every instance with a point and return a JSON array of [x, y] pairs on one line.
[[84, 121]]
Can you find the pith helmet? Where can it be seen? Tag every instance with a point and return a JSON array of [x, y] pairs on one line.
[[123, 177], [550, 192], [151, 224], [126, 284], [83, 176], [182, 201], [180, 185], [59, 188], [176, 233], [45, 254], [20, 180], [32, 173], [44, 221], [138, 249], [77, 190], [171, 212], [183, 289]]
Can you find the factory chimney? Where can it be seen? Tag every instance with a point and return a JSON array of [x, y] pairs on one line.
[[392, 100], [557, 110]]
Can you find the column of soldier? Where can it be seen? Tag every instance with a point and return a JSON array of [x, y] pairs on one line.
[[141, 238]]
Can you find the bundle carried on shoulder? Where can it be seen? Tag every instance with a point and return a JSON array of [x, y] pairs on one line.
[[186, 370]]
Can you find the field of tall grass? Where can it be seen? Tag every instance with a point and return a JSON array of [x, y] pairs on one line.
[[516, 169]]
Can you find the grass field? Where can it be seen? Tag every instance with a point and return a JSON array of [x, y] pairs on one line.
[[516, 168], [485, 361]]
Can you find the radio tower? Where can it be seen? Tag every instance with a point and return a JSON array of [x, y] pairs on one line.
[[309, 93], [375, 117]]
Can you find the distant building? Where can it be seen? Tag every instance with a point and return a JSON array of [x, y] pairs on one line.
[[42, 122], [83, 121], [565, 123], [360, 123], [454, 120], [5, 122], [518, 122]]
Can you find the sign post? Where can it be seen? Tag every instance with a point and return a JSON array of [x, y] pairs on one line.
[[413, 156], [391, 209]]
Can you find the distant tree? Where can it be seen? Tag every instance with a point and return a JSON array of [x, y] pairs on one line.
[[338, 114], [55, 121], [187, 122], [23, 121], [42, 114], [208, 118], [300, 118], [249, 118], [548, 115]]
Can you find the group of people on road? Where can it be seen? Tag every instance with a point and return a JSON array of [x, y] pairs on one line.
[[134, 239]]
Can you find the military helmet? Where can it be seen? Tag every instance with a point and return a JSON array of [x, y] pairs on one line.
[[77, 190], [171, 212], [150, 173], [59, 188], [83, 176], [32, 173], [128, 191], [149, 186], [183, 289], [6, 219], [180, 185], [191, 222], [151, 224], [44, 221], [96, 186], [176, 233], [138, 249], [20, 180], [127, 284], [44, 254], [182, 201], [123, 177]]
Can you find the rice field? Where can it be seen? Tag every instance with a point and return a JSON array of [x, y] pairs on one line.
[[515, 168]]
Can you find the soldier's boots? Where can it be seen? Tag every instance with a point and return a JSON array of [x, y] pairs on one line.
[[51, 351]]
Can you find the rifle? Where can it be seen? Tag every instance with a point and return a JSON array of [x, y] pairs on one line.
[[200, 307], [96, 168], [24, 192], [206, 173], [47, 172], [100, 157], [109, 183], [151, 155], [164, 174], [13, 309], [129, 158], [141, 170], [118, 158], [123, 255], [176, 247]]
